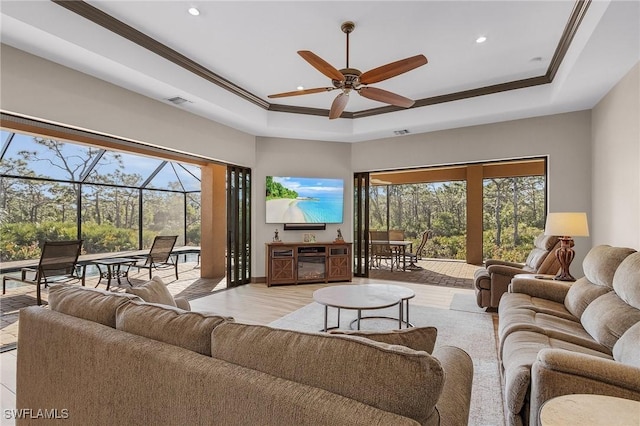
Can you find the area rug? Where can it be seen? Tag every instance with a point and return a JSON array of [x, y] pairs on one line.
[[466, 303], [472, 332]]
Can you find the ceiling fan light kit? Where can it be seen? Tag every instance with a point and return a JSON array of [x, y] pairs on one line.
[[351, 79]]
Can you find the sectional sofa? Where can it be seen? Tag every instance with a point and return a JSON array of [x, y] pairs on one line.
[[560, 338], [103, 358]]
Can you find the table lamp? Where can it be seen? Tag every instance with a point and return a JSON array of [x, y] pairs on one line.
[[566, 225]]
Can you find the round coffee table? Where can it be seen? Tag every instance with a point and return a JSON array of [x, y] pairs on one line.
[[363, 297]]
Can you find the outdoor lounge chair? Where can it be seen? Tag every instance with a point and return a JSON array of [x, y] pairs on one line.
[[159, 255], [58, 263]]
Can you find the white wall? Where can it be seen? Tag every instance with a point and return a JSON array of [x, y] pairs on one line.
[[616, 165], [41, 89], [293, 157], [564, 138]]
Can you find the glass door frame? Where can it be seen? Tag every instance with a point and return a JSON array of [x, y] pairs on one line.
[[238, 226]]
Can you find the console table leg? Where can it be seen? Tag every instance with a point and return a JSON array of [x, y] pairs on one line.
[[326, 311]]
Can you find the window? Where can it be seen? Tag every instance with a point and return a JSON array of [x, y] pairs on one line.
[[513, 216], [56, 190]]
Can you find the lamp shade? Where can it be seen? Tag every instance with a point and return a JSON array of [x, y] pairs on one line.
[[572, 224]]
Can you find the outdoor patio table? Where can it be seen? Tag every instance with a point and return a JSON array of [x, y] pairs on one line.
[[114, 269]]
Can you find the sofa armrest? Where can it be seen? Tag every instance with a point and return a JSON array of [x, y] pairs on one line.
[[559, 372], [455, 400], [506, 270], [491, 262], [555, 291]]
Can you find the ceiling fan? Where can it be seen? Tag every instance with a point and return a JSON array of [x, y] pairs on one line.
[[349, 79]]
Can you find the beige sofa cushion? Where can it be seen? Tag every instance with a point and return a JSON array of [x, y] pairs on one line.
[[608, 317], [600, 266], [626, 281], [601, 262], [392, 378], [627, 348], [581, 294], [189, 330], [520, 352], [416, 338], [88, 303], [153, 291]]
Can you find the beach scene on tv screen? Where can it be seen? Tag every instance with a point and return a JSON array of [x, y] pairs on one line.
[[304, 200]]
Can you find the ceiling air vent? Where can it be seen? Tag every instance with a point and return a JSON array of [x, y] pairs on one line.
[[177, 100], [401, 132]]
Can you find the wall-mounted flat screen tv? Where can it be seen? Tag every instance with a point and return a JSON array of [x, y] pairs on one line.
[[304, 200]]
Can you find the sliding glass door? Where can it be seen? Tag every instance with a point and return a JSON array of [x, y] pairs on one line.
[[238, 226], [361, 224]]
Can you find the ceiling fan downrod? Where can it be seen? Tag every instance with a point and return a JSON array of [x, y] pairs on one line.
[[347, 28]]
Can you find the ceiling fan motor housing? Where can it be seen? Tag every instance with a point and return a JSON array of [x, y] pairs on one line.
[[351, 79]]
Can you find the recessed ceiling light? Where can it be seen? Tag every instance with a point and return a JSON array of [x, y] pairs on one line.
[[481, 39], [194, 11], [300, 87]]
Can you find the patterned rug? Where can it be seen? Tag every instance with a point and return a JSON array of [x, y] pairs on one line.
[[473, 332]]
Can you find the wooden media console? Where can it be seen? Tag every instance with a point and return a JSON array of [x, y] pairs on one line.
[[298, 263]]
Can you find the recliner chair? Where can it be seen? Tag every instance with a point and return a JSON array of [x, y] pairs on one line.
[[492, 281]]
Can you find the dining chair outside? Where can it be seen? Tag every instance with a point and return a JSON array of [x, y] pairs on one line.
[[413, 257], [397, 235], [58, 263], [381, 249], [159, 255]]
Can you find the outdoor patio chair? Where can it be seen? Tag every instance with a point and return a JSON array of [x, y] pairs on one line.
[[58, 264], [413, 257], [381, 249], [159, 256]]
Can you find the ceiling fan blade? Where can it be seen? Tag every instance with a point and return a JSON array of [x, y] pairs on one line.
[[393, 69], [302, 92], [385, 96], [321, 65], [338, 105]]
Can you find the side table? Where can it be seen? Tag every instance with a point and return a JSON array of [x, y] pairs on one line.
[[589, 410]]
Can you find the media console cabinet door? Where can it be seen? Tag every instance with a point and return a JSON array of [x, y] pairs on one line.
[[339, 268], [281, 265]]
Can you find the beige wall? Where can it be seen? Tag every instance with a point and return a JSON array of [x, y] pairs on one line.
[[44, 90], [564, 138], [294, 157], [616, 165], [38, 88]]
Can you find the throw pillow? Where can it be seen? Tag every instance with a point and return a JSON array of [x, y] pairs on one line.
[[389, 377], [154, 291], [416, 338], [92, 304], [189, 330]]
